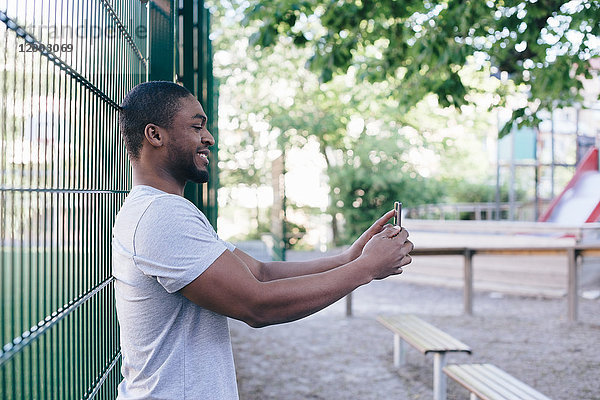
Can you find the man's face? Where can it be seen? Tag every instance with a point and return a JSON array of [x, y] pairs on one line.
[[188, 142]]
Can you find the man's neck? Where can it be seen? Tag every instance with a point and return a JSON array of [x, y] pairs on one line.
[[157, 180]]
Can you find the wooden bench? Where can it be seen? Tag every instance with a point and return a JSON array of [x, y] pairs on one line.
[[427, 339], [488, 382]]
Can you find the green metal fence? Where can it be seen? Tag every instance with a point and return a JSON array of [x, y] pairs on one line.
[[64, 68], [195, 72]]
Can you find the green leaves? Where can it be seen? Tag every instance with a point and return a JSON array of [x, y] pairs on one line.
[[383, 70], [362, 194], [530, 41], [520, 117]]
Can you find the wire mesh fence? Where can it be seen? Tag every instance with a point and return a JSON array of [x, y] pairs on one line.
[[65, 67]]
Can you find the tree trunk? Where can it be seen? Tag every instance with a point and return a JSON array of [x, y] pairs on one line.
[[334, 226]]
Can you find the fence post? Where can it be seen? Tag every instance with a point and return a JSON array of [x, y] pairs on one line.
[[468, 284], [572, 285]]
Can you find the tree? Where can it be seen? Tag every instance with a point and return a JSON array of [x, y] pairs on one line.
[[420, 46], [370, 178], [268, 98]]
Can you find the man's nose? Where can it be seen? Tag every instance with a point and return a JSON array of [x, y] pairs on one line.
[[208, 139]]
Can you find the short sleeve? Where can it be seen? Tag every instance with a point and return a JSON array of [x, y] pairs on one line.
[[175, 243]]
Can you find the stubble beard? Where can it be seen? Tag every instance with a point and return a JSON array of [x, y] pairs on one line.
[[199, 176], [186, 168]]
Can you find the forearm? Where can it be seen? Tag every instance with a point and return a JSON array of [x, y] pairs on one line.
[[232, 285], [289, 299], [273, 270]]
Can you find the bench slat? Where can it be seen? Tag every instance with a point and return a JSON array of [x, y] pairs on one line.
[[491, 383], [422, 335], [412, 330], [427, 336], [519, 388], [472, 383], [436, 339], [429, 340], [411, 336], [487, 378]]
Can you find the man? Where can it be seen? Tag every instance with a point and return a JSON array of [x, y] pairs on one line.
[[177, 282]]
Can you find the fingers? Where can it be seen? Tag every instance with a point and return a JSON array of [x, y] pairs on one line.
[[405, 260], [376, 228], [380, 223], [390, 231], [385, 218], [408, 246]]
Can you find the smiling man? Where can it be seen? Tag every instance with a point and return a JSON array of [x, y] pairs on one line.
[[177, 282]]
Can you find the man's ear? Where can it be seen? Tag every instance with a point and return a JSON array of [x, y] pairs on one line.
[[154, 135]]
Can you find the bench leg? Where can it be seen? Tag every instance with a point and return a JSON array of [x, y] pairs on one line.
[[439, 378], [399, 351]]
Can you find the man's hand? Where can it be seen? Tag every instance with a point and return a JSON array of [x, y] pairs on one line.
[[354, 251], [387, 252]]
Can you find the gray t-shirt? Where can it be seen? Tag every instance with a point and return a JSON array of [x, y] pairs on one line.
[[172, 348]]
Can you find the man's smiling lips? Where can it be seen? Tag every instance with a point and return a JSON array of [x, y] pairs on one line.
[[203, 154]]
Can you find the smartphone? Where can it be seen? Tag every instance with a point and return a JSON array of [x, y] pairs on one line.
[[398, 213]]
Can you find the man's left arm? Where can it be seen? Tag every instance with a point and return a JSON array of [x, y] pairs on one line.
[[272, 270]]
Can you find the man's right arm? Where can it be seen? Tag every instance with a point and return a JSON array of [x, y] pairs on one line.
[[272, 270], [229, 287]]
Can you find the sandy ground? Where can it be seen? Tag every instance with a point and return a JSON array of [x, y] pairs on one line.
[[519, 324], [329, 356]]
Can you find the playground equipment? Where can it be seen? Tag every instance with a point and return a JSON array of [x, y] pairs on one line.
[[579, 202]]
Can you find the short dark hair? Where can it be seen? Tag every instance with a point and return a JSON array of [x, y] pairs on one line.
[[154, 102]]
